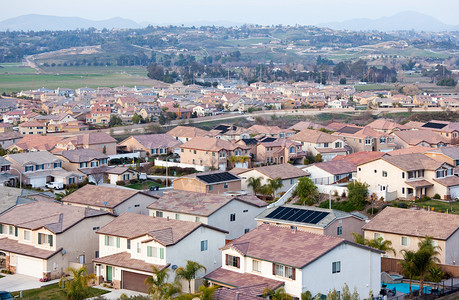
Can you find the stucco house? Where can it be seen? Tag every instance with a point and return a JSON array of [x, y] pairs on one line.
[[152, 144], [424, 137], [99, 141], [118, 202], [318, 142], [131, 244], [82, 158], [331, 172], [186, 133], [366, 139], [213, 182], [234, 214], [42, 239], [405, 228], [274, 256]]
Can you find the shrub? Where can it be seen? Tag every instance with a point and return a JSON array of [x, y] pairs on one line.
[[437, 196], [343, 194], [133, 181], [403, 205], [375, 211], [120, 182]]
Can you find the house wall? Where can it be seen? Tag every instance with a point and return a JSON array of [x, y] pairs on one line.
[[194, 185], [137, 204], [311, 229], [110, 148], [133, 145], [202, 158], [317, 172], [396, 240], [348, 225], [441, 158], [182, 216], [452, 250], [33, 130]]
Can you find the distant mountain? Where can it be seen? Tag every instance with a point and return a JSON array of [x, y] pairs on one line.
[[407, 20], [43, 22]]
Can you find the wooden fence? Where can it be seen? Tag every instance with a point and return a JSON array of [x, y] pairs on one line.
[[392, 265]]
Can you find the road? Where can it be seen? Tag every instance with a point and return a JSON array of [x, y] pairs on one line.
[[140, 128]]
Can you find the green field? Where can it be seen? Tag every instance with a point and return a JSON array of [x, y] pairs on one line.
[[14, 77], [373, 87], [53, 292], [140, 186], [439, 206]]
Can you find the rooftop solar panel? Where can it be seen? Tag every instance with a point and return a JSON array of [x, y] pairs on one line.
[[217, 177], [434, 125], [297, 215]]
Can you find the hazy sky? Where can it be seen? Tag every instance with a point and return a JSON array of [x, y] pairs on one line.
[[305, 12]]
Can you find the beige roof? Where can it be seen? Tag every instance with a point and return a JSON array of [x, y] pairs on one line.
[[239, 280], [383, 124], [414, 161], [200, 204], [410, 150], [313, 136], [82, 155], [187, 132], [39, 157], [124, 260], [448, 181], [358, 158], [284, 171], [362, 133], [96, 195], [414, 137], [283, 245], [418, 223], [90, 138], [336, 167], [262, 129], [163, 230], [55, 217], [10, 245], [211, 144], [38, 142], [154, 141]]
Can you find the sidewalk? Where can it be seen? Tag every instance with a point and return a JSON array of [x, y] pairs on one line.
[[116, 294]]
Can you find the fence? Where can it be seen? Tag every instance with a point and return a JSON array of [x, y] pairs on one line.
[[282, 200], [392, 265], [330, 189], [125, 155], [162, 163]]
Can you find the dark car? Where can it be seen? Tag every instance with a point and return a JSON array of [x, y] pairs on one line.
[[5, 296]]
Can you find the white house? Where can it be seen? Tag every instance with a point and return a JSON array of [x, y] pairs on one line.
[[273, 256], [330, 172], [131, 244], [235, 214]]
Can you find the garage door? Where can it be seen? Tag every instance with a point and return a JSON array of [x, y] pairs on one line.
[[38, 182], [134, 281], [454, 192], [29, 266]]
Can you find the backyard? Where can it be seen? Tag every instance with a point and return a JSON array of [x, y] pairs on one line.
[[440, 206], [53, 291], [144, 185]]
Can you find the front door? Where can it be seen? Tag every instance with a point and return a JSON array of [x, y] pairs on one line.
[[109, 273]]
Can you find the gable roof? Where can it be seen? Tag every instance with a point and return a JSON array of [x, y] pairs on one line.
[[211, 144], [336, 167], [410, 150], [213, 177], [55, 217], [82, 155], [200, 204], [38, 157], [412, 162], [383, 124], [38, 142], [90, 138], [361, 157], [414, 137], [154, 141], [411, 222], [163, 230], [450, 151], [284, 171], [313, 136]]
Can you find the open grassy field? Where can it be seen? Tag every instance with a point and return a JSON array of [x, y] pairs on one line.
[[53, 292], [14, 77]]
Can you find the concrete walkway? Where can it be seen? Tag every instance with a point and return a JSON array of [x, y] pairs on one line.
[[116, 294], [19, 282]]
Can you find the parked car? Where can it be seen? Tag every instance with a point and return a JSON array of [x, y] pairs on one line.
[[55, 185], [5, 296]]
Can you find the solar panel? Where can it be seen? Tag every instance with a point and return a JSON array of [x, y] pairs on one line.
[[217, 177], [434, 125], [297, 215]]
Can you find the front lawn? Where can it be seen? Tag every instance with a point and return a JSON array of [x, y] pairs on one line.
[[439, 206], [53, 291], [140, 185]]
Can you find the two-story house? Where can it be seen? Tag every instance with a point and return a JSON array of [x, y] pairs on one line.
[[234, 214], [152, 144], [82, 158], [366, 139], [409, 176], [41, 167], [270, 131], [42, 239], [318, 142], [405, 228], [331, 172], [279, 151], [213, 182], [32, 127], [186, 133], [131, 244], [422, 137], [99, 141], [212, 152], [273, 256]]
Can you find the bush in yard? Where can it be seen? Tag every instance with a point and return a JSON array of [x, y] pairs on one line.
[[357, 194], [307, 191], [437, 196], [120, 182]]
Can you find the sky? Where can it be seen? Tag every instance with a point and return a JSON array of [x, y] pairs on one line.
[[265, 12]]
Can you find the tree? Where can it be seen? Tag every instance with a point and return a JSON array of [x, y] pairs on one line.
[[274, 185], [307, 191], [382, 244], [136, 119], [407, 264], [278, 294], [158, 286], [358, 193], [76, 286], [333, 295], [207, 292], [104, 150], [342, 81], [359, 239], [155, 71], [318, 158], [425, 258], [255, 184], [306, 295], [114, 121], [189, 272]]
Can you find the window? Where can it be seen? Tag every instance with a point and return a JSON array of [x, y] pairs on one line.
[[40, 167], [246, 230], [197, 219], [194, 151], [368, 142], [58, 165], [139, 248], [325, 145], [378, 235], [382, 140], [159, 214], [117, 242], [96, 255], [403, 190], [292, 150], [288, 272], [292, 181], [384, 174], [338, 145], [405, 241], [211, 187], [83, 165], [27, 235], [232, 217], [403, 174], [339, 230], [336, 267], [233, 261], [256, 265], [204, 245], [177, 216], [225, 185], [279, 270], [96, 228], [245, 210], [29, 168], [128, 246]]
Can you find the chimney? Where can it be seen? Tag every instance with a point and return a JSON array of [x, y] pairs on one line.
[[237, 296]]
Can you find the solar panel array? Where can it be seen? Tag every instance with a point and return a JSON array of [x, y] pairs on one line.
[[217, 177], [297, 215], [433, 125]]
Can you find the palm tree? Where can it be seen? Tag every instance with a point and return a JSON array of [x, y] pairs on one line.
[[425, 258], [359, 239], [158, 286], [77, 287], [274, 185], [233, 160], [189, 272], [306, 295], [278, 294], [207, 292], [244, 159], [408, 267], [382, 244], [255, 184]]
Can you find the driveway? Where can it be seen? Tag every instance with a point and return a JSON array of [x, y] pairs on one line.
[[19, 282], [116, 294]]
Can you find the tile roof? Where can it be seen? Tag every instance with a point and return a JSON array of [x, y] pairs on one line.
[[336, 167], [53, 216], [201, 204], [282, 245], [96, 195], [313, 136], [163, 230], [38, 157], [38, 142], [448, 181], [305, 125], [412, 162], [414, 137], [243, 293], [384, 124], [284, 171], [5, 136], [124, 260], [418, 223], [154, 141], [90, 138], [419, 183], [211, 144], [358, 158], [82, 155], [9, 245], [239, 280], [361, 133], [450, 151], [410, 150], [257, 129]]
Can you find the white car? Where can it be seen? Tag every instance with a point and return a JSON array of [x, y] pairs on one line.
[[55, 185]]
